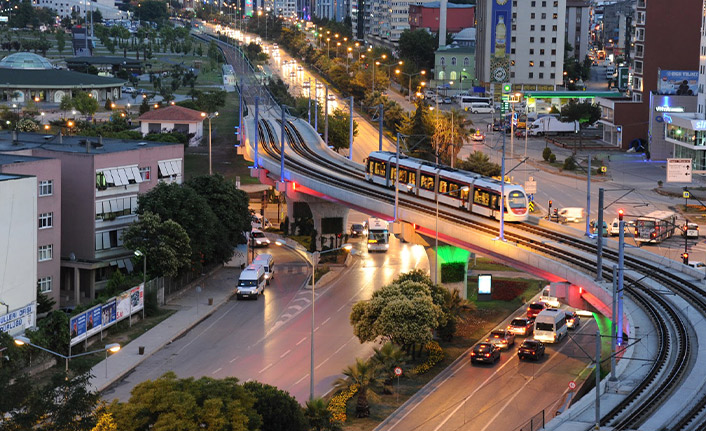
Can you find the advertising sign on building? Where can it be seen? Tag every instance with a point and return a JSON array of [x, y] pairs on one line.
[[500, 33], [679, 82], [679, 170], [18, 320], [623, 75]]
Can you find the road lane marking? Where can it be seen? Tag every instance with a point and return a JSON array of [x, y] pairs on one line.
[[344, 345], [325, 360], [325, 321], [317, 328], [300, 380], [234, 359], [264, 369], [285, 353], [341, 307], [215, 371], [301, 341]]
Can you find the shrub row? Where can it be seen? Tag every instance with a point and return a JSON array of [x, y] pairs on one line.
[[436, 354], [337, 405], [507, 290]]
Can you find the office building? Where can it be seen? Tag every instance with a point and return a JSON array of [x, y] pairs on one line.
[[426, 16]]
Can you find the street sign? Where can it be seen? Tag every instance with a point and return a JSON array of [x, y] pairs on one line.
[[531, 187], [686, 195], [531, 206], [398, 371], [679, 170], [572, 385], [623, 78]]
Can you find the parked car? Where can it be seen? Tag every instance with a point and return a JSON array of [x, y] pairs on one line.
[[572, 320], [497, 126], [128, 90], [698, 265], [501, 338], [521, 326], [485, 352], [300, 69], [535, 308], [331, 97], [429, 94], [531, 349]]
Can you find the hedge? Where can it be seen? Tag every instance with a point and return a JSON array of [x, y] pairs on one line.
[[337, 405], [453, 272], [436, 354]]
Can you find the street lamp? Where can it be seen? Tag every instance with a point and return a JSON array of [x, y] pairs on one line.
[[350, 53], [204, 115], [21, 340], [410, 75], [389, 72], [436, 255], [313, 260], [139, 253], [328, 54], [375, 63]]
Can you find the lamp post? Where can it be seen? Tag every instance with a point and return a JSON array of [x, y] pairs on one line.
[[349, 54], [436, 229], [389, 72], [313, 260], [139, 253], [21, 340], [410, 75], [204, 115], [376, 62], [328, 47]]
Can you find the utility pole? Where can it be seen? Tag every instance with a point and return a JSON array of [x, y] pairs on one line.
[[380, 118], [350, 131], [326, 117]]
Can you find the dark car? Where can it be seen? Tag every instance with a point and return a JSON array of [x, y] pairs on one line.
[[358, 229], [572, 320], [485, 352], [501, 338], [535, 308], [521, 326], [531, 349], [497, 127]]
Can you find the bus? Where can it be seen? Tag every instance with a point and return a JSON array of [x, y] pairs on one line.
[[378, 235], [467, 101], [655, 227]]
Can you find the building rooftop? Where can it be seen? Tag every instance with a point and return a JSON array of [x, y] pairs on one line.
[[455, 49], [72, 144], [8, 177], [43, 78], [26, 60], [114, 60], [11, 159], [172, 113]]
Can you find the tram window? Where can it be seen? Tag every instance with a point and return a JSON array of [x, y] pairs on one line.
[[516, 199], [481, 197], [403, 176], [393, 173], [380, 168], [443, 186], [412, 178], [464, 194], [427, 182], [494, 201]]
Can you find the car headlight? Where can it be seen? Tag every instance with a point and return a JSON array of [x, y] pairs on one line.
[[258, 242], [387, 245]]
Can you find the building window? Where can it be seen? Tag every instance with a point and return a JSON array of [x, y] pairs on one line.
[[554, 40], [553, 63], [541, 52], [181, 128], [466, 61], [513, 39], [639, 50], [638, 66], [544, 4], [46, 220], [532, 27], [553, 28], [543, 28], [45, 252], [555, 16], [44, 284], [541, 75], [453, 61], [154, 127], [553, 51], [145, 173], [531, 75], [512, 50], [46, 188], [442, 61], [533, 4], [541, 64], [441, 75], [544, 16], [531, 51], [531, 39], [532, 15], [552, 75], [541, 40]]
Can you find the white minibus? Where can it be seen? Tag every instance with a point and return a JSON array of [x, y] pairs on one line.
[[550, 325], [251, 282], [268, 264]]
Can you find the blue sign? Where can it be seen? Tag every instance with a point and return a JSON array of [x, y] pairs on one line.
[[77, 325], [679, 82]]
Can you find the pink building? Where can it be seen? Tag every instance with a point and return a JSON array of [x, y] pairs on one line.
[[100, 181], [48, 173], [426, 15]]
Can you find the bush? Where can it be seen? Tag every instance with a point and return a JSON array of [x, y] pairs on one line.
[[552, 158], [452, 272], [507, 290], [337, 405], [436, 354], [570, 164], [546, 154]]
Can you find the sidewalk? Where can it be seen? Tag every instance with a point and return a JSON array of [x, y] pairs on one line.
[[191, 308]]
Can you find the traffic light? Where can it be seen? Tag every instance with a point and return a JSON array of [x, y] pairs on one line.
[[550, 203], [685, 258], [621, 213], [507, 87]]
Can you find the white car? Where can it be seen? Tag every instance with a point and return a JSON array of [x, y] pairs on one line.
[[478, 136], [698, 265], [300, 69], [331, 97]]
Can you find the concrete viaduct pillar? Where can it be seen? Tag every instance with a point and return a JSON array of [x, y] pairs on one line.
[[324, 213]]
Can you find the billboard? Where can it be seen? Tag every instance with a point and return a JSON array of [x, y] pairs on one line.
[[108, 313], [78, 328], [122, 306], [102, 316], [679, 82], [485, 283], [500, 37], [137, 298], [93, 320]]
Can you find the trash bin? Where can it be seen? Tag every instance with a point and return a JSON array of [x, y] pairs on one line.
[[210, 301], [141, 350]]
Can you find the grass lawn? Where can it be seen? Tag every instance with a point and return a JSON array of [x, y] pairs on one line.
[[486, 264], [473, 325]]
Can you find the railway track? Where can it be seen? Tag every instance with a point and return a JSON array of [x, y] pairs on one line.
[[674, 341]]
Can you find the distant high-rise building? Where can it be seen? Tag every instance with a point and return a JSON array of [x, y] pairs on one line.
[[577, 31]]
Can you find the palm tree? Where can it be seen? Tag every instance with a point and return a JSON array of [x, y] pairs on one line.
[[387, 358], [319, 416], [364, 375]]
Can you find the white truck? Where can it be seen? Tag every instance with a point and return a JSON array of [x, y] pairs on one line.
[[552, 126]]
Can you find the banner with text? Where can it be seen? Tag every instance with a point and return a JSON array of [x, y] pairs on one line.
[[18, 320]]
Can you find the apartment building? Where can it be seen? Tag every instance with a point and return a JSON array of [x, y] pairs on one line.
[[334, 10], [18, 252], [48, 227], [521, 42], [577, 27], [426, 15], [100, 181]]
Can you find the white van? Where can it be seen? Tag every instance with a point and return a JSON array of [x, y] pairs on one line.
[[268, 264], [251, 282], [480, 108], [550, 325], [571, 215], [548, 298], [260, 222]]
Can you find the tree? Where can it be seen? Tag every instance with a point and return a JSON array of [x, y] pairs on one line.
[[165, 243], [279, 410], [152, 10], [60, 40], [66, 103], [417, 47], [319, 416], [339, 129], [105, 423], [362, 374], [386, 359], [479, 163], [85, 104], [186, 207], [45, 303], [229, 204], [585, 112], [170, 403], [211, 101]]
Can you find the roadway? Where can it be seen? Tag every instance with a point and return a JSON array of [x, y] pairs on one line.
[[502, 396], [268, 340]]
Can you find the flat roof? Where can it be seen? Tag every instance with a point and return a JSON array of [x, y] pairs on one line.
[[10, 159], [73, 144], [8, 177], [54, 78], [573, 94]]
